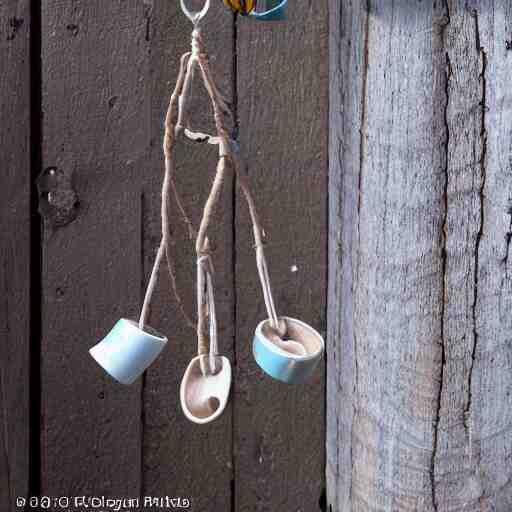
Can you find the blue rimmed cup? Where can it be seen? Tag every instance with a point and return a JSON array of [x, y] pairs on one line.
[[274, 11], [281, 364], [127, 350]]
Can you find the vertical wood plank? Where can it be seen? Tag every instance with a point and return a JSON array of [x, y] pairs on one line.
[[399, 268], [282, 106], [94, 58], [491, 391], [180, 458], [347, 58], [15, 226], [456, 482], [475, 467], [431, 370], [386, 244]]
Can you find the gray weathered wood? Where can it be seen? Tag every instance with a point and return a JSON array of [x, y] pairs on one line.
[[180, 458], [457, 467], [347, 58], [419, 365], [386, 243], [282, 106], [491, 406], [94, 56], [15, 273], [474, 467]]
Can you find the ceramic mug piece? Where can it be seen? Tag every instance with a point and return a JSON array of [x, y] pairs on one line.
[[127, 350], [274, 11], [290, 366]]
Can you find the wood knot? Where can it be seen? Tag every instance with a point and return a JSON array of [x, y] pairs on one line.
[[58, 201], [14, 25]]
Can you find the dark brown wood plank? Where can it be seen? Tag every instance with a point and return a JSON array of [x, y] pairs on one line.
[[282, 104], [15, 250], [180, 458], [94, 56]]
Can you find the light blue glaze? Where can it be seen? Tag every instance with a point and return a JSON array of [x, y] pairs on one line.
[[275, 11], [127, 351], [281, 365]]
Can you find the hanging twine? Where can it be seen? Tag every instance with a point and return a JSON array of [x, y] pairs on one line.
[[168, 186], [176, 125]]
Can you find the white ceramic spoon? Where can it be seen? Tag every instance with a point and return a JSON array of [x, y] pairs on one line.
[[204, 397]]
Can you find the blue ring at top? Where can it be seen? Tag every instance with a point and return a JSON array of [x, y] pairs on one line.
[[276, 13]]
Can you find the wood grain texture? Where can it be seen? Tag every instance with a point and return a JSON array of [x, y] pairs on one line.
[[180, 458], [474, 468], [419, 375], [491, 409], [398, 270], [456, 481], [347, 58], [15, 224], [386, 243], [282, 107], [94, 58]]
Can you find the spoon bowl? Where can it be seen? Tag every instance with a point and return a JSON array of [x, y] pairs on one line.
[[204, 397]]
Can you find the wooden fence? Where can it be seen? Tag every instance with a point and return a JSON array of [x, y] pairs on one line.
[[83, 90]]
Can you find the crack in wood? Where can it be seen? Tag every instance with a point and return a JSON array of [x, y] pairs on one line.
[[444, 234], [36, 434], [470, 102], [234, 261], [508, 238], [482, 160], [443, 292]]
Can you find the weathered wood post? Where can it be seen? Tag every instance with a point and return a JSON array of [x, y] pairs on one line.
[[420, 327]]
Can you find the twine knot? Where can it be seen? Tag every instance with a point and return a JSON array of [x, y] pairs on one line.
[[197, 43]]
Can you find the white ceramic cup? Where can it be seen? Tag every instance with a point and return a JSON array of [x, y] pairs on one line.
[[127, 350]]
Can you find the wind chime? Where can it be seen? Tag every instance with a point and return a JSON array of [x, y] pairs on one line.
[[285, 348]]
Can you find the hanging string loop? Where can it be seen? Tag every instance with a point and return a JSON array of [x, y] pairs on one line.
[[195, 16]]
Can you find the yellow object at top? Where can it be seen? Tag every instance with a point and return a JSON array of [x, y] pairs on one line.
[[243, 7]]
